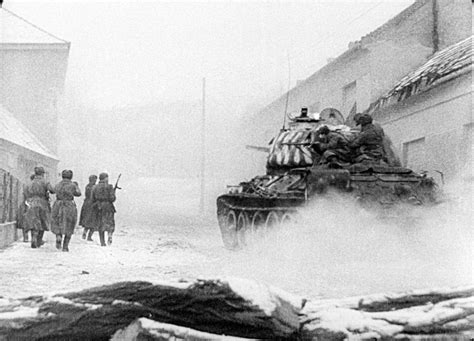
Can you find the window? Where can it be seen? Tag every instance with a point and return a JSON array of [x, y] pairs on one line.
[[349, 98], [414, 154]]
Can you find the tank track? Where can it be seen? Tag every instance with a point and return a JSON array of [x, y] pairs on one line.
[[240, 215]]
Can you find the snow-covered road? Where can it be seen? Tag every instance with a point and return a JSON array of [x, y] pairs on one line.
[[332, 253]]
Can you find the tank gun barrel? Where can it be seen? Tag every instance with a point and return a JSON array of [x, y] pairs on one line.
[[258, 148]]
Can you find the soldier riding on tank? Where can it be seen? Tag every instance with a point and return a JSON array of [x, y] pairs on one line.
[[369, 142], [333, 147]]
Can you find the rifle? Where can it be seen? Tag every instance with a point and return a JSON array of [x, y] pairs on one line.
[[116, 182]]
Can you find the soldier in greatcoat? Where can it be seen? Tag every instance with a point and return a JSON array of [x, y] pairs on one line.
[[333, 147], [37, 217], [369, 142], [64, 210], [87, 218], [103, 198]]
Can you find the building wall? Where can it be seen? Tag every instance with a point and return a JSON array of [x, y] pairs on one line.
[[374, 64], [32, 79], [433, 130], [10, 196], [454, 21], [20, 162]]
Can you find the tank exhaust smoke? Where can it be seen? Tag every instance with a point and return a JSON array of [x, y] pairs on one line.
[[339, 249]]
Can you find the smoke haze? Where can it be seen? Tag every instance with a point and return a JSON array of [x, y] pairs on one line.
[[336, 249], [133, 106]]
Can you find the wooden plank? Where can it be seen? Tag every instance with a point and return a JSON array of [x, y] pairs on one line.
[[7, 191], [4, 202], [11, 200]]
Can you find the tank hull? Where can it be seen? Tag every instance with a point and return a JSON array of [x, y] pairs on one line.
[[269, 202]]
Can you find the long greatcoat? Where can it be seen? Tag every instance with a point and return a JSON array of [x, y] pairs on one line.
[[369, 143], [103, 198], [64, 209], [37, 216], [335, 145], [88, 217]]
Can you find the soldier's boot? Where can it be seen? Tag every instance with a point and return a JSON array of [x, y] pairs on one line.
[[109, 238], [25, 236], [84, 233], [40, 241], [89, 235], [66, 243], [34, 239], [59, 240], [102, 238]]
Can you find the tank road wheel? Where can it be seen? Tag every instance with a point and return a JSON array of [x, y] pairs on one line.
[[289, 218], [258, 220], [242, 228], [273, 220], [229, 230]]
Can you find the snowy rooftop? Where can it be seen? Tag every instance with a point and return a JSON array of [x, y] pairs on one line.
[[15, 132], [453, 60], [16, 30]]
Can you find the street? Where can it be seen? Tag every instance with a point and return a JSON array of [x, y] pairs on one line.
[[330, 253]]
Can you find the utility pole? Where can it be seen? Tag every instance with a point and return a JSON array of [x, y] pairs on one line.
[[203, 146]]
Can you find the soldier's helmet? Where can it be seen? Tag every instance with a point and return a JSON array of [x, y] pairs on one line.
[[357, 117], [364, 119], [324, 130], [39, 170], [103, 176], [67, 174]]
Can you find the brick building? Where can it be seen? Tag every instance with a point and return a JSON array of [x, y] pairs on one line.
[[370, 67]]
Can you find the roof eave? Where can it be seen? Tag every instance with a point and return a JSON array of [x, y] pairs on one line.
[[386, 102], [344, 55], [35, 46], [47, 156]]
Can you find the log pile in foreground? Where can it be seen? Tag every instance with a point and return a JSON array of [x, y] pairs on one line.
[[234, 309], [446, 314]]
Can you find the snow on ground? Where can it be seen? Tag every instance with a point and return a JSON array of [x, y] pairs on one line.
[[337, 250]]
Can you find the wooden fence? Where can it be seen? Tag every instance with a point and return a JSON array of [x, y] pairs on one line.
[[10, 193]]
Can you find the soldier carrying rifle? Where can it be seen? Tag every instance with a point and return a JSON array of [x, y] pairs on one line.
[[37, 217], [103, 198]]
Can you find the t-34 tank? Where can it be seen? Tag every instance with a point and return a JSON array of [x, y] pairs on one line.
[[296, 174]]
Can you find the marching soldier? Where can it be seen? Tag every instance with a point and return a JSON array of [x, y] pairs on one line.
[[87, 218], [103, 198], [64, 210], [37, 217]]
